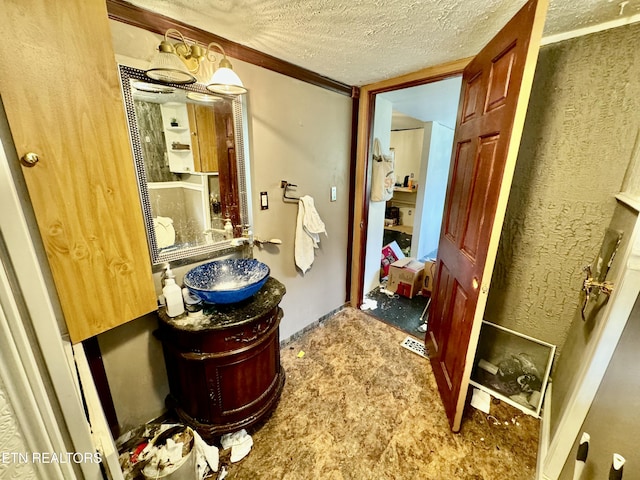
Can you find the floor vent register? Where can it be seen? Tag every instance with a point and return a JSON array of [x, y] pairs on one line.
[[416, 346]]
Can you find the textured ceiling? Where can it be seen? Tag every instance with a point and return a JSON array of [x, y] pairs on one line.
[[363, 41]]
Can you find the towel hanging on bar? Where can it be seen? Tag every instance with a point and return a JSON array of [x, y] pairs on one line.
[[309, 226]]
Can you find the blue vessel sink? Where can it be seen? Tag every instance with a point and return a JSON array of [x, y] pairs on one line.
[[227, 281]]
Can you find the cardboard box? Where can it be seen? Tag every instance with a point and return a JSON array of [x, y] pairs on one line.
[[429, 274], [390, 254], [406, 277]]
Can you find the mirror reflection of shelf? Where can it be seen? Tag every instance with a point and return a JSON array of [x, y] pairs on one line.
[[180, 159], [180, 147], [405, 189], [184, 193]]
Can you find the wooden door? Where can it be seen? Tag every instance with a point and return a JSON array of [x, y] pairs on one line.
[[495, 93], [61, 93], [204, 137], [228, 164]]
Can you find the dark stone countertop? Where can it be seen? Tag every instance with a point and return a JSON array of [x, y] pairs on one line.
[[220, 317]]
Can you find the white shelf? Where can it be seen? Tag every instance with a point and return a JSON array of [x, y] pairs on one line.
[[405, 189]]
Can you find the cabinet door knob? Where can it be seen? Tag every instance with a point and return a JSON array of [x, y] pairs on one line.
[[30, 159]]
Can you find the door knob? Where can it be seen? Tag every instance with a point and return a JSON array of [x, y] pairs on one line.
[[475, 283], [30, 159]]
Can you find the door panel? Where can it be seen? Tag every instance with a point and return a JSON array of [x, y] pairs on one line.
[[494, 97], [460, 187], [500, 79], [486, 174]]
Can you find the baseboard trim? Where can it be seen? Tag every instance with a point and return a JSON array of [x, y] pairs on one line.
[[545, 433], [311, 326]]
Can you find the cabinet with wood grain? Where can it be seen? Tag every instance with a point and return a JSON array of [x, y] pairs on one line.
[[63, 102]]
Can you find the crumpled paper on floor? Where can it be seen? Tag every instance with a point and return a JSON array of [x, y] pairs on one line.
[[207, 455], [369, 304], [240, 443]]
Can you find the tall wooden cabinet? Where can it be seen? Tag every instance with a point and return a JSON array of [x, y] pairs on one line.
[[60, 89], [202, 120]]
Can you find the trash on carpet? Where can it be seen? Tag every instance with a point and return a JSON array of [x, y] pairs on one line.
[[239, 442], [166, 451], [481, 400]]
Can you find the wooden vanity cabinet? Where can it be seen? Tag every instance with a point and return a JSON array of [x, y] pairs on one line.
[[224, 368], [61, 93]]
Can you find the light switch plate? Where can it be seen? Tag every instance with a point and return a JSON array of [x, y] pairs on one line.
[[264, 201], [334, 194]]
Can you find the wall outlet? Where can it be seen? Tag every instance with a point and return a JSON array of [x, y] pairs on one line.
[[334, 194]]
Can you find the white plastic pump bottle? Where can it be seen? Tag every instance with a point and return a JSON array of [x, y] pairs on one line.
[[228, 229], [172, 295]]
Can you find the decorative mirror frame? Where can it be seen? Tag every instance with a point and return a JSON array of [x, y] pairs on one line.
[[199, 252]]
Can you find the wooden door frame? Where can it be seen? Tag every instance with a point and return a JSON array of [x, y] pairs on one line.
[[362, 183]]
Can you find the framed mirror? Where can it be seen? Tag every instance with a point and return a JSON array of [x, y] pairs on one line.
[[190, 158]]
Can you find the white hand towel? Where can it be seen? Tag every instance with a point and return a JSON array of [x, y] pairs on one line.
[[309, 226], [165, 233]]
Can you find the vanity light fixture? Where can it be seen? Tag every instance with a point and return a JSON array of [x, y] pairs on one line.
[[183, 63], [202, 97]]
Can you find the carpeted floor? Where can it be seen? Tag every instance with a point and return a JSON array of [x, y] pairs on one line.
[[357, 406]]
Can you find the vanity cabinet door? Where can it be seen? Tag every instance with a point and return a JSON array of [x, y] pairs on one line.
[[61, 92]]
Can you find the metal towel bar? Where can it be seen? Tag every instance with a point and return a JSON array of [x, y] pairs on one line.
[[285, 186]]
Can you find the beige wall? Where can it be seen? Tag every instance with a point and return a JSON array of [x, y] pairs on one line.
[[375, 221], [301, 134], [297, 132], [578, 139], [408, 152]]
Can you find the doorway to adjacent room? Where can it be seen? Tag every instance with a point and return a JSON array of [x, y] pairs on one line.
[[415, 126]]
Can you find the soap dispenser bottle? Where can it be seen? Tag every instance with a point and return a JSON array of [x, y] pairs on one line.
[[172, 295], [228, 229]]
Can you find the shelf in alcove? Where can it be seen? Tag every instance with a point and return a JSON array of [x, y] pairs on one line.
[[177, 129], [405, 189], [188, 150]]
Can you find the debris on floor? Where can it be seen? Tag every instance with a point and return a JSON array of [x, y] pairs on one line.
[[369, 304], [170, 451], [160, 450], [481, 400], [388, 293], [401, 312], [239, 442]]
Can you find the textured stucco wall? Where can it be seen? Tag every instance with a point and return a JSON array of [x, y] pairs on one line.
[[612, 420], [12, 441], [578, 138]]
